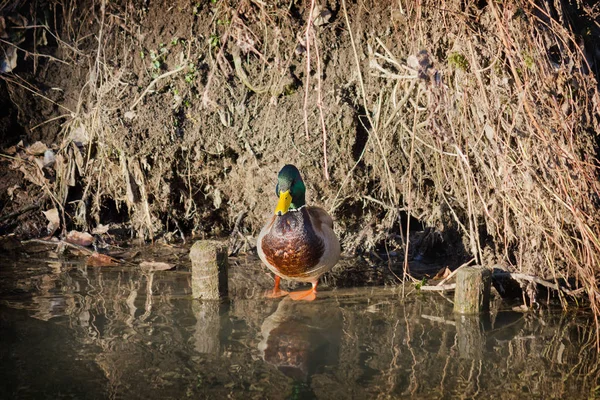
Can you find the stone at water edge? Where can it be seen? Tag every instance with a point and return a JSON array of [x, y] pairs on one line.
[[209, 269]]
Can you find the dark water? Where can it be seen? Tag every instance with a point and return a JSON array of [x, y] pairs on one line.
[[71, 331]]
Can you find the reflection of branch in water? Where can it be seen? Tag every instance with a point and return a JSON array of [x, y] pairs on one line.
[[130, 302], [473, 387], [148, 304], [414, 385], [392, 371], [450, 356], [438, 319]]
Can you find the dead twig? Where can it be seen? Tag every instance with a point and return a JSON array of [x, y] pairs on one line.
[[438, 288], [154, 81], [446, 279], [22, 210], [531, 278]]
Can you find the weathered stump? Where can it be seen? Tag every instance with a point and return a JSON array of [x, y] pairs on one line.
[[209, 269], [472, 294]]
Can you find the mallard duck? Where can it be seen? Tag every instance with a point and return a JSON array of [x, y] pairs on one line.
[[298, 242]]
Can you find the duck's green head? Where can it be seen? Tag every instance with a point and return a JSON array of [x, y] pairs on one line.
[[290, 190]]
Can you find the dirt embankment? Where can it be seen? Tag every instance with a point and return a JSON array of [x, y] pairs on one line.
[[476, 123]]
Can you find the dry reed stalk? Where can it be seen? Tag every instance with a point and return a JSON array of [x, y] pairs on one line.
[[499, 170]]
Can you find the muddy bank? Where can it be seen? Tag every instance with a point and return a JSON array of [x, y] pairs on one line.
[[471, 129]]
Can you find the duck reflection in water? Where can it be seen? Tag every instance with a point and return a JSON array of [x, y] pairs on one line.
[[300, 339]]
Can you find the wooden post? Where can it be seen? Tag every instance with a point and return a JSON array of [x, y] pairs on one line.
[[209, 269], [472, 294]]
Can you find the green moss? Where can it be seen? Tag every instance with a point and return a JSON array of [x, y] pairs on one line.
[[289, 89], [529, 62], [458, 61]]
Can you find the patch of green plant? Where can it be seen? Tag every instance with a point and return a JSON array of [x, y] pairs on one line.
[[529, 62], [213, 40], [290, 89], [191, 73], [458, 61], [157, 60], [418, 285], [499, 68]]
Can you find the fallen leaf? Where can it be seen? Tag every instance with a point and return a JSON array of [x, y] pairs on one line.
[[39, 162], [11, 190], [443, 273], [101, 260], [155, 266], [100, 229], [522, 308], [11, 151], [31, 173], [53, 220], [36, 149], [80, 238]]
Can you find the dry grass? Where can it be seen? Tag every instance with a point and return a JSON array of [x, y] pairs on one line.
[[503, 145]]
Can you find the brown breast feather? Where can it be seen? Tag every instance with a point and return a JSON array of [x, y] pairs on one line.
[[292, 245]]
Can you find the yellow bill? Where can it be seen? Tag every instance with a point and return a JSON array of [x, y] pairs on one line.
[[283, 205]]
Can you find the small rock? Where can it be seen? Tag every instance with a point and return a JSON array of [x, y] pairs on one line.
[[49, 158], [9, 62], [80, 238], [100, 229], [53, 220], [79, 136], [300, 49], [129, 115]]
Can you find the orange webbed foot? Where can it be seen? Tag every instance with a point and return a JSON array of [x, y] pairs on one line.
[[276, 292], [306, 295]]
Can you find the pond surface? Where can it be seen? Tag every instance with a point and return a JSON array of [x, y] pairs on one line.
[[72, 331]]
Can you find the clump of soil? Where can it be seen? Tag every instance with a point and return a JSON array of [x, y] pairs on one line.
[[472, 125]]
